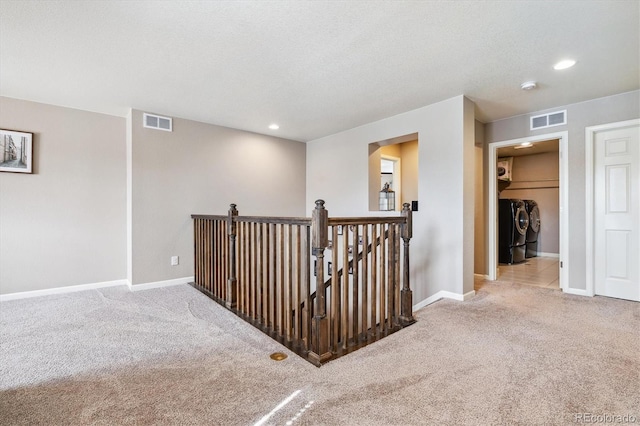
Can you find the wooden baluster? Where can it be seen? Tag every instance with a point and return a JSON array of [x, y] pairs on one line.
[[215, 258], [335, 291], [406, 308], [286, 294], [217, 265], [299, 282], [254, 272], [232, 283], [344, 303], [215, 251], [268, 282], [374, 278], [247, 264], [208, 256], [396, 278], [281, 286], [355, 289], [319, 332], [276, 283], [222, 260], [383, 278], [294, 300], [307, 287], [260, 260], [365, 282], [215, 268], [240, 263], [196, 252], [391, 291]]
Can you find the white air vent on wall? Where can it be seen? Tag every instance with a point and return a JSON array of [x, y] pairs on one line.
[[152, 121], [557, 118]]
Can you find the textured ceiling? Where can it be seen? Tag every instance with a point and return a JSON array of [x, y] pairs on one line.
[[318, 67]]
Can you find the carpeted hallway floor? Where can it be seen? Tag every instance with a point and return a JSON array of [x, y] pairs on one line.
[[512, 355]]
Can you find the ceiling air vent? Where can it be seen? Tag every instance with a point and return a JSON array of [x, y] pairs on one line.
[[152, 121], [557, 118]]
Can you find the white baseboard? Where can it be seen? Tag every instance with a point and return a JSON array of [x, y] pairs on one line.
[[483, 276], [442, 294], [159, 284], [554, 255], [60, 290], [577, 291]]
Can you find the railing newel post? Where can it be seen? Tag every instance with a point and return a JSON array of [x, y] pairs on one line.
[[406, 295], [232, 281], [320, 323]]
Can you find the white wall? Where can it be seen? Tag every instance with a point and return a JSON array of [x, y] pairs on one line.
[[625, 106], [65, 224], [201, 169], [442, 244]]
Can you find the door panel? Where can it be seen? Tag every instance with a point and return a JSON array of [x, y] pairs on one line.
[[616, 213]]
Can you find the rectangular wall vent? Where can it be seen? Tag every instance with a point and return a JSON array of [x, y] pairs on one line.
[[157, 122], [557, 118]]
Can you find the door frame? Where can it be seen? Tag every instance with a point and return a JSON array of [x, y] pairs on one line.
[[590, 138], [492, 184]]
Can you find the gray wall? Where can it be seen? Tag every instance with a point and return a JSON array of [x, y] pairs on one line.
[[110, 200], [201, 168], [625, 106], [65, 224]]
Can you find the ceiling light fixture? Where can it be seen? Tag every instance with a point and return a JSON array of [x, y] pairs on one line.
[[564, 64], [274, 126], [529, 85], [523, 145]]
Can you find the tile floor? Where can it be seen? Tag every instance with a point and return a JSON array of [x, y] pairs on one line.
[[535, 271]]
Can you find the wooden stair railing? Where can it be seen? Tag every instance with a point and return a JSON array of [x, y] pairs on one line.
[[260, 268]]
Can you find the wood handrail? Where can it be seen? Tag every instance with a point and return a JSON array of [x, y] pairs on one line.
[[258, 219], [279, 220], [365, 220]]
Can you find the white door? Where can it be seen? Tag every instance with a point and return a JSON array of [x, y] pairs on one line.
[[616, 216]]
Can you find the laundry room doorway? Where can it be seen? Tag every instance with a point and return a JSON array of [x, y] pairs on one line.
[[527, 215]]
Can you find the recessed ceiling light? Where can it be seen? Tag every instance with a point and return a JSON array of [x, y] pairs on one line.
[[529, 85], [274, 126], [564, 64]]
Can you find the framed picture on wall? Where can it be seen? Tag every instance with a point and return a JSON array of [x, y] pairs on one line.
[[16, 151]]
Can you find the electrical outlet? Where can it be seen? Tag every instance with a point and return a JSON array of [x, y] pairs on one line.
[[175, 260]]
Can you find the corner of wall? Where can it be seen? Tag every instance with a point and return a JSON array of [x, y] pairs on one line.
[[469, 143], [130, 196]]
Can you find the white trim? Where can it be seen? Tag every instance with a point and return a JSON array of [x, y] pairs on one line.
[[577, 292], [159, 284], [482, 276], [589, 138], [129, 148], [61, 290], [492, 242], [442, 294], [554, 255]]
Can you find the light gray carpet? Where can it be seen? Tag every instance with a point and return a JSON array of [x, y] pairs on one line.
[[512, 355]]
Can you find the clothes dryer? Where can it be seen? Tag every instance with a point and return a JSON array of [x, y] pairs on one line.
[[534, 228], [512, 230]]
